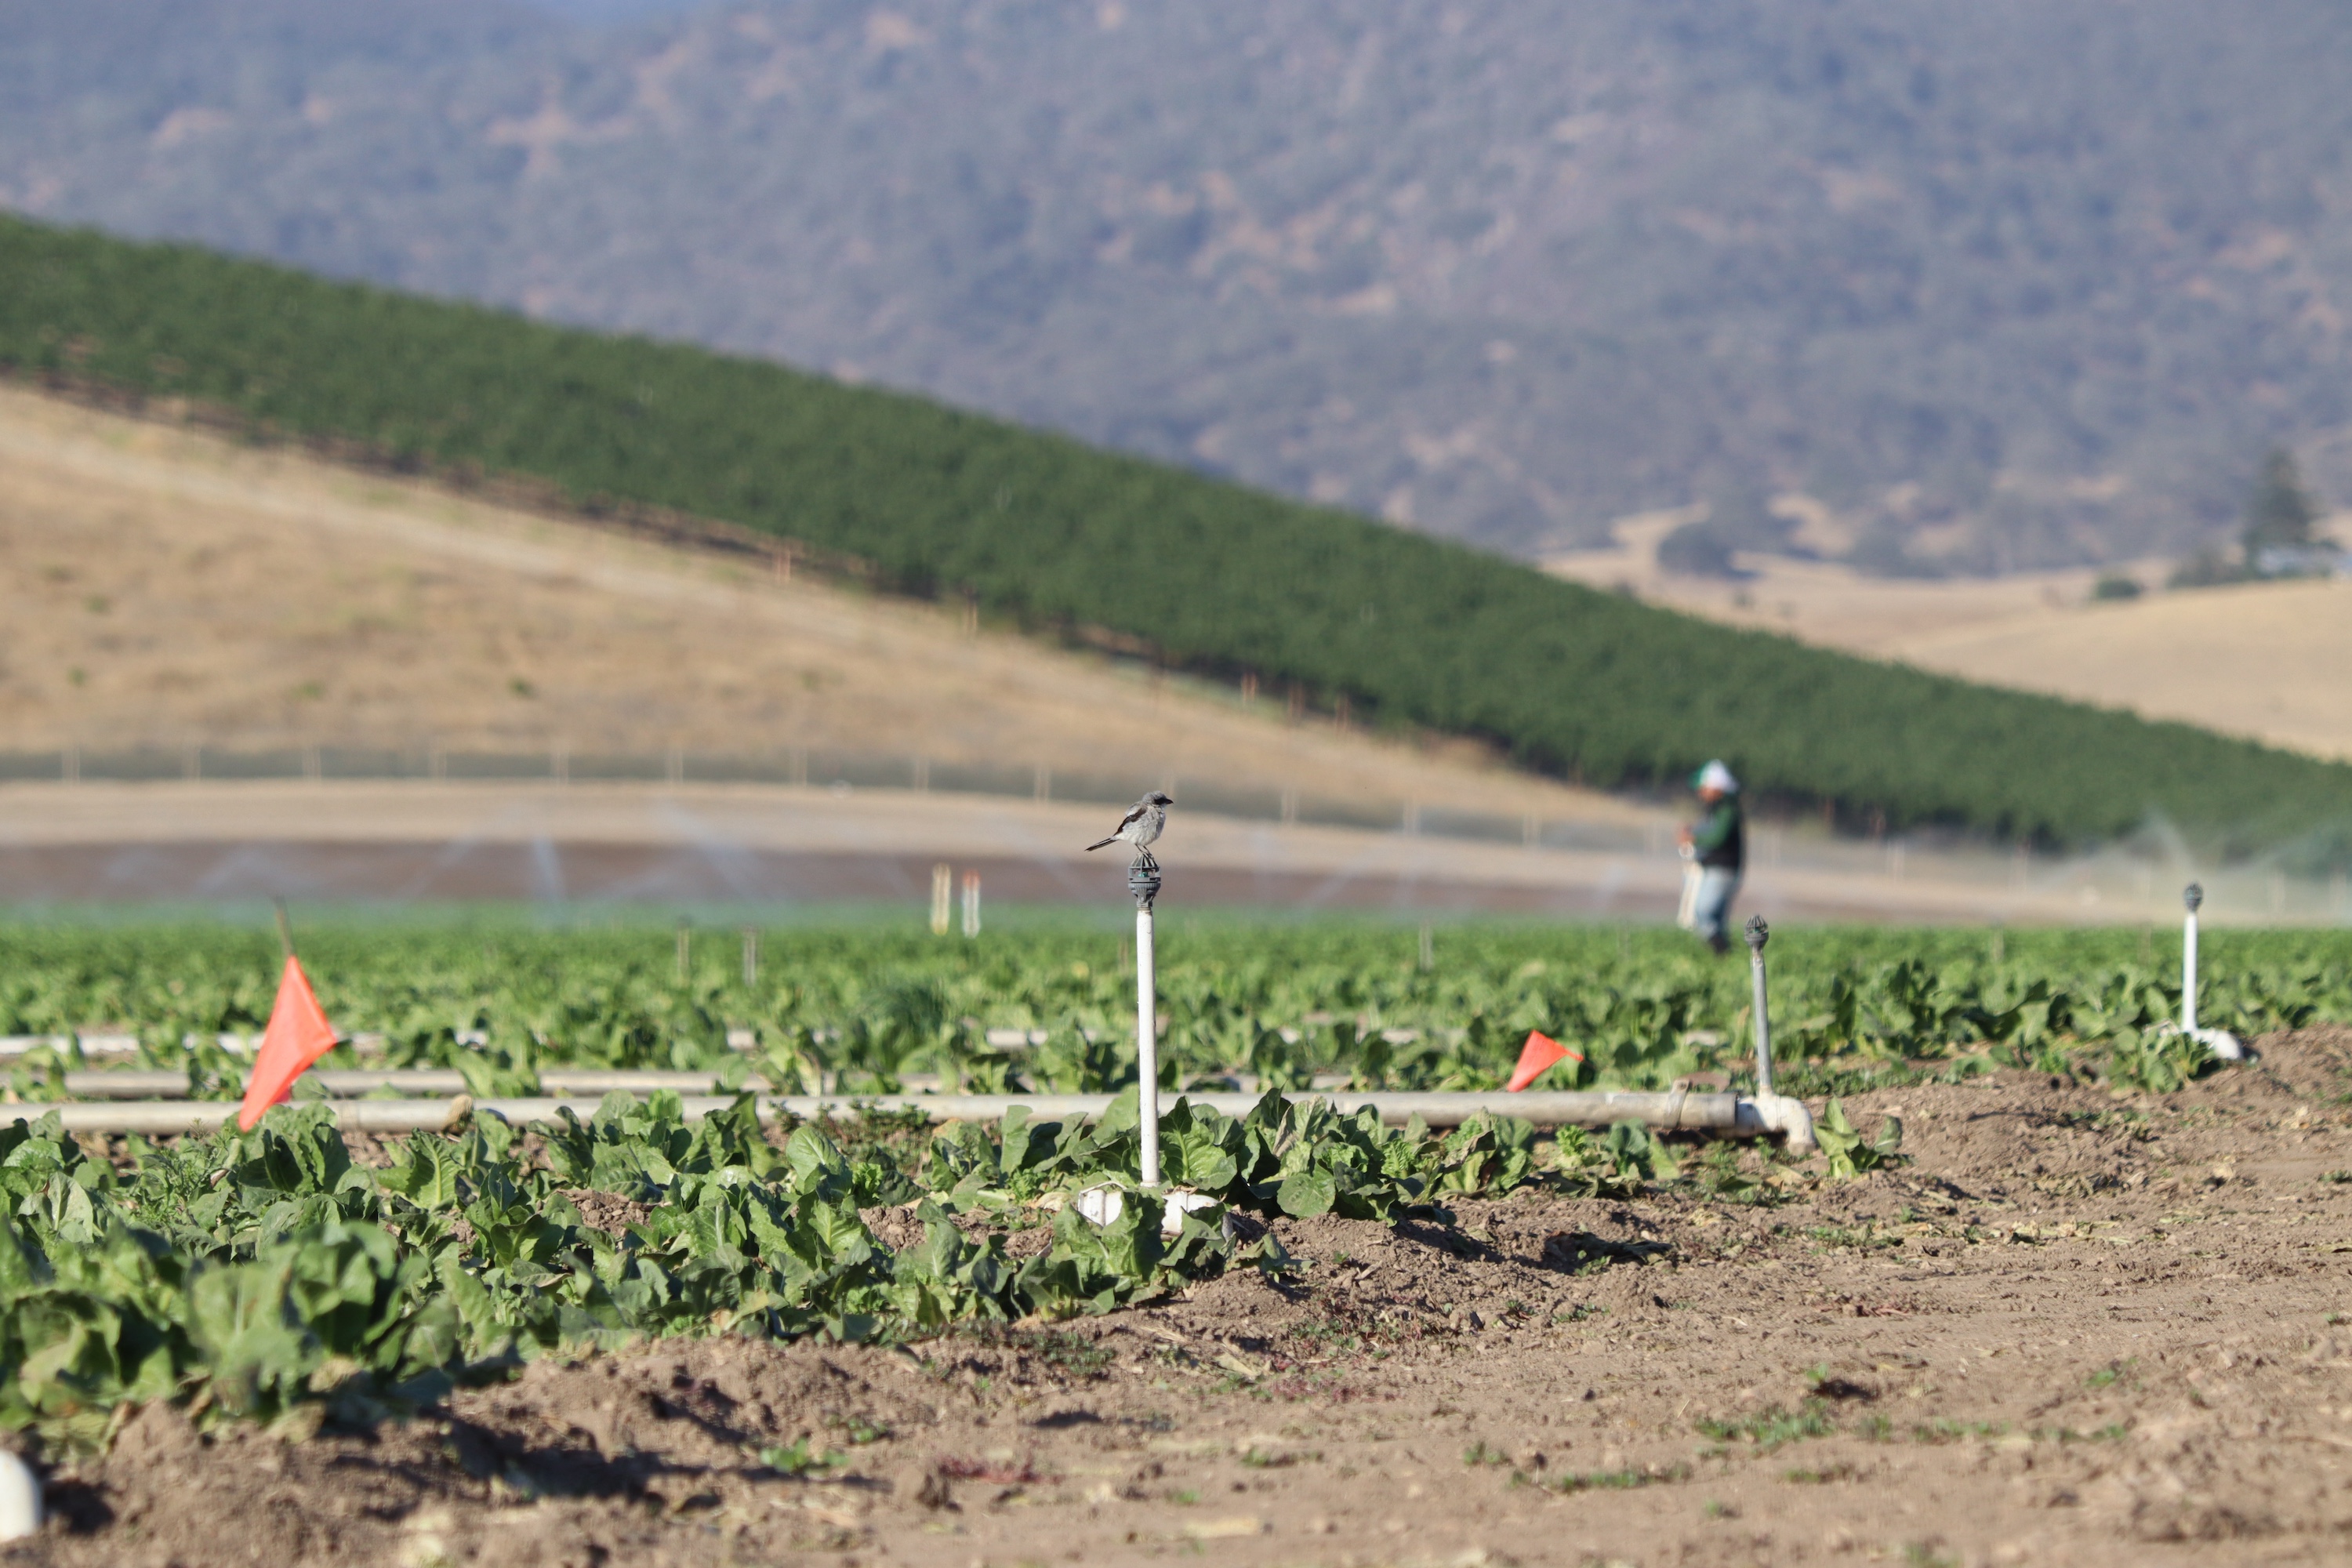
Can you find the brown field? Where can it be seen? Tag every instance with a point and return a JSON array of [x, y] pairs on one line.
[[2077, 1329], [2266, 660], [164, 587]]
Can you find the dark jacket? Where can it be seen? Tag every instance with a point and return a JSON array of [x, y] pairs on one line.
[[1719, 838]]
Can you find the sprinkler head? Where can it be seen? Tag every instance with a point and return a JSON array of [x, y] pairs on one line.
[[2192, 895], [1143, 882], [1758, 933]]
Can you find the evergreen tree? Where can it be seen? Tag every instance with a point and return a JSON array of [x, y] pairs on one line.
[[2279, 515]]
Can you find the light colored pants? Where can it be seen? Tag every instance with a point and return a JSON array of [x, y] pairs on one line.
[[1711, 909]]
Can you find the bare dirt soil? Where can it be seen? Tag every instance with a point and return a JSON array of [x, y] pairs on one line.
[[2076, 1329]]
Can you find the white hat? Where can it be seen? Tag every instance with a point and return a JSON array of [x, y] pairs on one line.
[[1715, 776]]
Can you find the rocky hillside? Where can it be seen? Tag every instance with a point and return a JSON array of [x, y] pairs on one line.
[[2012, 283]]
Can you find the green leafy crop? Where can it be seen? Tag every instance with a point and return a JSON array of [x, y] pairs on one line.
[[862, 1010], [264, 1275]]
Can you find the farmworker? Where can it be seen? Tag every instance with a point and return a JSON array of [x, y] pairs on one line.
[[1719, 846]]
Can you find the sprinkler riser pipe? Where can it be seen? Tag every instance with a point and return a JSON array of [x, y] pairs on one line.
[[2188, 975], [1147, 1045], [1758, 934]]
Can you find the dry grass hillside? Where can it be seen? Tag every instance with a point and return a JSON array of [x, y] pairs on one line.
[[159, 586], [2270, 660]]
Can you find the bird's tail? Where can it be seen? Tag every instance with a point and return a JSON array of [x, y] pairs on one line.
[[1112, 839]]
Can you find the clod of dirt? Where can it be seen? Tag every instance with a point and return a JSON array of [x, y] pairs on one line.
[[608, 1212]]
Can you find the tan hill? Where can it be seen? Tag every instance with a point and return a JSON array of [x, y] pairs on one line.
[[159, 586], [2270, 660]]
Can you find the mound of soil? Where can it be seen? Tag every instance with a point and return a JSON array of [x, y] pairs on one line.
[[2077, 1329]]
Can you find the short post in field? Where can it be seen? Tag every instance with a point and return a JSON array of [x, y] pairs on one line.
[[2190, 896], [942, 893], [1758, 933], [971, 903], [1143, 886], [685, 943], [2223, 1043], [750, 957]]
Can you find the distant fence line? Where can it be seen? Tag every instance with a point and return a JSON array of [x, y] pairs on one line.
[[801, 767], [2117, 882]]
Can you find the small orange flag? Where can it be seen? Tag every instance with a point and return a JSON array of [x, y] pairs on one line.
[[299, 1035], [1539, 1053]]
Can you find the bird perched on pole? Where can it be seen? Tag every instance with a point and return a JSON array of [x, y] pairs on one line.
[[1143, 824]]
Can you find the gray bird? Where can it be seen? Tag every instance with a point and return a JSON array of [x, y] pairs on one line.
[[1141, 825]]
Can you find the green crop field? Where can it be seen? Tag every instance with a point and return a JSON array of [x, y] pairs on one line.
[[862, 1008], [1048, 533], [268, 1276]]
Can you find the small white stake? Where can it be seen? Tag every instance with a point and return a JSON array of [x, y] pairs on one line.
[[20, 1498]]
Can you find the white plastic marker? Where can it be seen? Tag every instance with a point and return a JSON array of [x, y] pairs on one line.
[[2223, 1043], [1686, 915], [20, 1498]]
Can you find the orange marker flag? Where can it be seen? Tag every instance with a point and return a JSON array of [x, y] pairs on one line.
[[1540, 1052], [299, 1035]]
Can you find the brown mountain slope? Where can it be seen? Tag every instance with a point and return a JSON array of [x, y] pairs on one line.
[[162, 587]]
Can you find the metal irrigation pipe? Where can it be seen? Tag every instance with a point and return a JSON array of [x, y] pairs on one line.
[[1725, 1115], [349, 1083], [159, 1118]]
